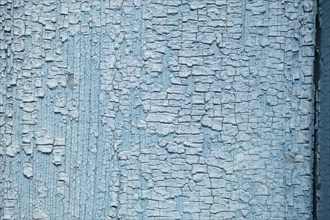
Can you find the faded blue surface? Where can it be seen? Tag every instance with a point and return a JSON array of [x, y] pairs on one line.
[[156, 109]]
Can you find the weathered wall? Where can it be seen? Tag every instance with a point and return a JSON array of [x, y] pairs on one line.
[[324, 112], [156, 109]]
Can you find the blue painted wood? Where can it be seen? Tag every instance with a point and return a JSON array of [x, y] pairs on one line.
[[324, 113], [156, 109]]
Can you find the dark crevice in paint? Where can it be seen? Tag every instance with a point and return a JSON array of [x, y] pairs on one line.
[[316, 89]]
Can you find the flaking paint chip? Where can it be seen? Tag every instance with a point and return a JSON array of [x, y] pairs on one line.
[[28, 170]]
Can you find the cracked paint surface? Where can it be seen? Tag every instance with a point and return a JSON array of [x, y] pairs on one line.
[[156, 109]]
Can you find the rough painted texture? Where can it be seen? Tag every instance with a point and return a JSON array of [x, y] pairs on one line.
[[156, 109], [324, 113]]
